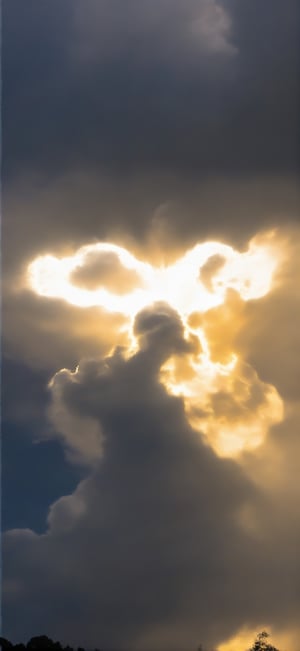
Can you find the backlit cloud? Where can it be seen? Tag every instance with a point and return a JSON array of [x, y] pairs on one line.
[[181, 532], [121, 283], [102, 535], [225, 401]]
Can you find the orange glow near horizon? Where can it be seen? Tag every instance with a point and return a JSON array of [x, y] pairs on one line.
[[245, 637]]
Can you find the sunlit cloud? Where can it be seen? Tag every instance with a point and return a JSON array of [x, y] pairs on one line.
[[122, 283], [52, 277], [226, 403], [224, 398]]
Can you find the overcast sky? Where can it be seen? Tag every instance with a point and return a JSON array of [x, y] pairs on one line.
[[151, 408]]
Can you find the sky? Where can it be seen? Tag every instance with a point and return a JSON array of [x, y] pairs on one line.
[[151, 308]]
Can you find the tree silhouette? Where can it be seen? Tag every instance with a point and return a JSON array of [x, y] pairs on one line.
[[40, 642], [5, 645], [261, 643]]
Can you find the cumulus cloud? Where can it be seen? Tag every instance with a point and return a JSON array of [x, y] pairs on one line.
[[82, 436], [136, 532], [51, 334], [160, 328], [181, 287], [163, 536]]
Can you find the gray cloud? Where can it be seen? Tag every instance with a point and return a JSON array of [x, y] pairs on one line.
[[209, 269], [105, 270], [160, 210], [159, 329], [142, 519], [162, 537], [170, 32], [164, 85], [272, 349], [46, 335]]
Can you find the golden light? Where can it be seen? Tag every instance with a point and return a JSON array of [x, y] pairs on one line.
[[242, 640], [218, 397], [245, 637], [180, 284], [51, 277], [218, 401]]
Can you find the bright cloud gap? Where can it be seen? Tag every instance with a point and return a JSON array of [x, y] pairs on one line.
[[193, 283]]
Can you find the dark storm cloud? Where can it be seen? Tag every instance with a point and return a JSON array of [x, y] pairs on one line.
[[146, 132], [163, 538], [45, 335], [135, 538], [192, 87], [159, 213]]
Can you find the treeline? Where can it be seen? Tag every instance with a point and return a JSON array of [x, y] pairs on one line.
[[38, 643], [44, 643]]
